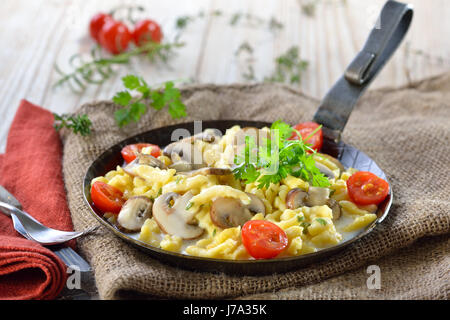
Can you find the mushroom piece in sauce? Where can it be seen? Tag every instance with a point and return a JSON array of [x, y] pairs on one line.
[[186, 155], [169, 212], [143, 159], [315, 196], [296, 198], [335, 208], [230, 212], [133, 214]]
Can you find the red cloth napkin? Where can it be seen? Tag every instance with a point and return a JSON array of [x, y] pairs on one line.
[[31, 170]]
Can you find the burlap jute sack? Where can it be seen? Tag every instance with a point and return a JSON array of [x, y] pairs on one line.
[[406, 131]]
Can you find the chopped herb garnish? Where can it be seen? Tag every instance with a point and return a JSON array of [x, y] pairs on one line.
[[305, 226], [276, 158], [214, 232], [300, 219], [190, 204], [322, 221]]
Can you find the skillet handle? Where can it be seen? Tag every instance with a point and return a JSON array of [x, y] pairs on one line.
[[385, 37]]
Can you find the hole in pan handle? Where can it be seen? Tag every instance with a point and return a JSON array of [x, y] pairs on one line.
[[390, 28]]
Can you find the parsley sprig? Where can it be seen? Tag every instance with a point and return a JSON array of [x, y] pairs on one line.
[[157, 98], [264, 165], [134, 107]]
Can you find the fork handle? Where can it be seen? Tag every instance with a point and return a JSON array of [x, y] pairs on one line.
[[7, 197], [9, 209]]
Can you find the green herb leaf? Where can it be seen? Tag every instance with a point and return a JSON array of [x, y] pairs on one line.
[[98, 68], [131, 82], [122, 98], [276, 159], [79, 124], [136, 107], [305, 226], [189, 205], [322, 221]]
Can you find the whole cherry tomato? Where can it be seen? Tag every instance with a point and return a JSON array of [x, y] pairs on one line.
[[129, 151], [263, 239], [97, 23], [114, 36], [147, 30], [106, 198], [305, 129], [366, 188]]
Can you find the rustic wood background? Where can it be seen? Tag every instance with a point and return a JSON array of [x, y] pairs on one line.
[[36, 34]]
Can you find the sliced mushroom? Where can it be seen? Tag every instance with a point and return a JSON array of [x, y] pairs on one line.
[[208, 171], [182, 166], [150, 160], [296, 198], [208, 135], [325, 170], [317, 196], [185, 156], [169, 212], [335, 208], [143, 159], [256, 205], [229, 213], [133, 214]]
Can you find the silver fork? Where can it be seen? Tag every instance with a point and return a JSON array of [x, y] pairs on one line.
[[36, 231]]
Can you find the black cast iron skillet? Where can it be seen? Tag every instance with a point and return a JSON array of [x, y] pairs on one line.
[[332, 113]]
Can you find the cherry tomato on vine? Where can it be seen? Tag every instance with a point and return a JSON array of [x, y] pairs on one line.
[[263, 239], [366, 188], [96, 24], [114, 36], [147, 30], [106, 198], [305, 129], [129, 151]]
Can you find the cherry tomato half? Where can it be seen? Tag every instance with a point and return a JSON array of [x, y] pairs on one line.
[[114, 36], [366, 188], [129, 152], [106, 198], [97, 23], [263, 239], [305, 129], [147, 30]]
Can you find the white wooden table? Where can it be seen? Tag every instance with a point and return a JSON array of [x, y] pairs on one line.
[[36, 34]]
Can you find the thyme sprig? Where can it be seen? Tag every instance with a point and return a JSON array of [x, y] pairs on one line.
[[234, 19], [288, 67], [99, 68], [79, 124]]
